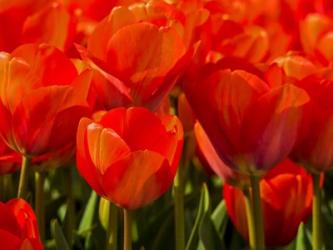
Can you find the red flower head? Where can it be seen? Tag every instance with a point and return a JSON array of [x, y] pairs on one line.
[[41, 99], [130, 156], [286, 193], [18, 226], [314, 145], [138, 60], [251, 125]]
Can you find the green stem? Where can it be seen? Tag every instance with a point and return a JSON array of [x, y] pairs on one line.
[[112, 234], [70, 226], [39, 202], [127, 230], [316, 213], [257, 213], [21, 193], [178, 188], [8, 186], [250, 218]]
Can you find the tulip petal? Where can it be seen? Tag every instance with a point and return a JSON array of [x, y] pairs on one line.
[[278, 115], [84, 163], [105, 146], [210, 154], [99, 39], [137, 179], [49, 66]]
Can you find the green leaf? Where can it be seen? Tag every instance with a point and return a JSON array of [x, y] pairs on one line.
[[209, 236], [103, 212], [88, 215], [220, 218], [202, 210], [300, 239], [58, 235]]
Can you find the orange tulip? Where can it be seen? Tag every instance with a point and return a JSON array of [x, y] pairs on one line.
[[286, 193], [41, 97], [130, 156], [18, 226], [251, 125], [140, 60]]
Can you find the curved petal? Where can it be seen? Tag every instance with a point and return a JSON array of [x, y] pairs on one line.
[[25, 218], [51, 24], [274, 133], [105, 146], [49, 66], [210, 154], [84, 163], [99, 39], [136, 180]]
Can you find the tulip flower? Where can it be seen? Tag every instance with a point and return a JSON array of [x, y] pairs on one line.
[[139, 59], [131, 156], [251, 125], [41, 97], [18, 226], [313, 145], [286, 193]]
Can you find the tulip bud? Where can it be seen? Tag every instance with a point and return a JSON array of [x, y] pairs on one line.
[[130, 156]]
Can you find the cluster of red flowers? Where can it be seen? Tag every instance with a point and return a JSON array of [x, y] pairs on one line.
[[253, 81]]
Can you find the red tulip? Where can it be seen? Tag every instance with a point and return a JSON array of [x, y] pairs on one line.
[[130, 156], [314, 144], [18, 226], [139, 60], [251, 125], [286, 193], [41, 99]]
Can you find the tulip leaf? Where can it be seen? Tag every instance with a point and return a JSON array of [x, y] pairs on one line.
[[220, 218], [203, 209], [58, 235], [208, 235], [88, 215], [300, 239], [301, 242]]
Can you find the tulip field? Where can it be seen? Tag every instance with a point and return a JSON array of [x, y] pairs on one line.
[[166, 124]]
